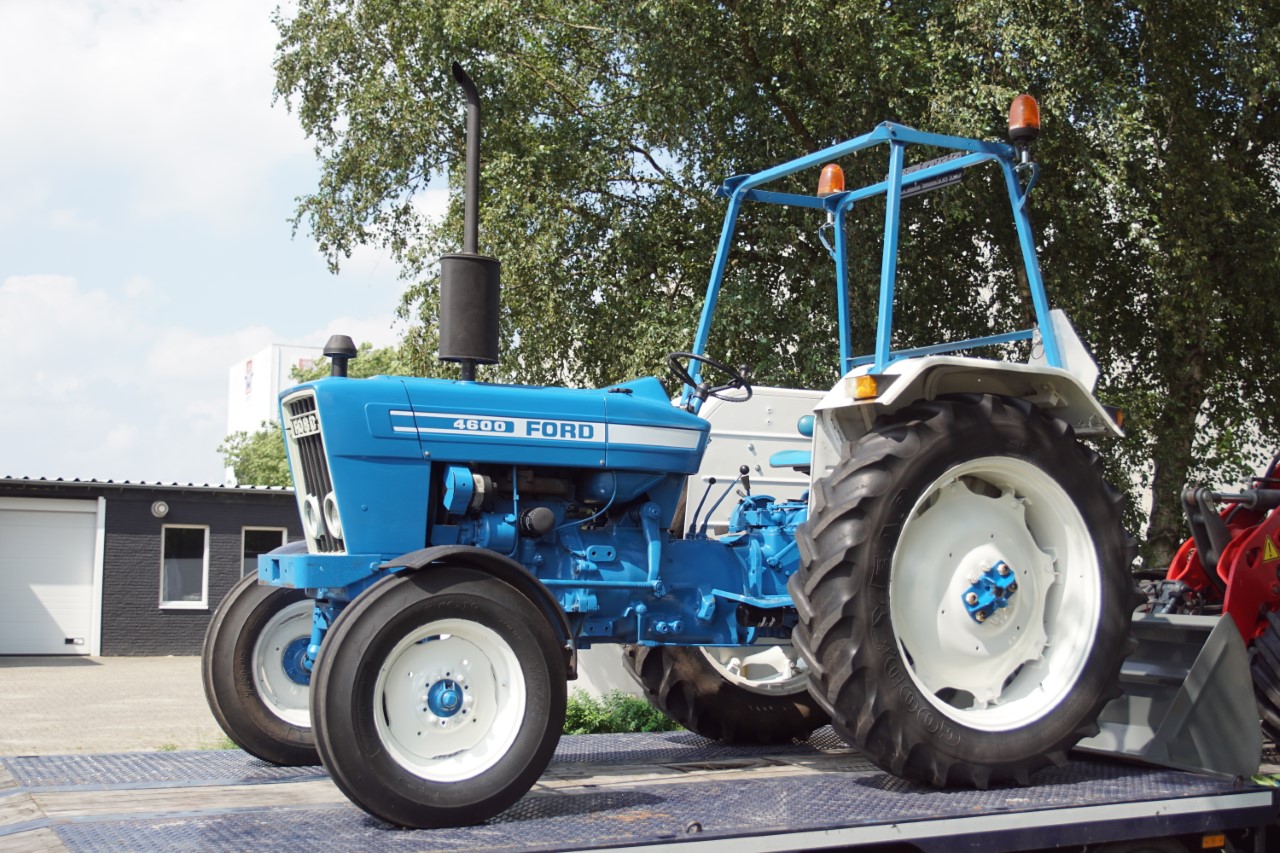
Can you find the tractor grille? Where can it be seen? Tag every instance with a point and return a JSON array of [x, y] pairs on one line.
[[311, 478]]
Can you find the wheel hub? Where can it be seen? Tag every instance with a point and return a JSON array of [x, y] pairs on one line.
[[294, 661], [445, 698], [990, 592], [446, 701]]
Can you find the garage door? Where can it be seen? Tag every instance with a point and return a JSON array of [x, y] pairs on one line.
[[47, 550]]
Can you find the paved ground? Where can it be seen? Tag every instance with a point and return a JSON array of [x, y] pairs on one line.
[[57, 705]]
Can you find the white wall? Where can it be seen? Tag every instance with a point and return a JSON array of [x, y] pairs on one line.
[[254, 383]]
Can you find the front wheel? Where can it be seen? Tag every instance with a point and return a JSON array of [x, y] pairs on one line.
[[964, 593], [253, 674], [438, 698], [746, 694]]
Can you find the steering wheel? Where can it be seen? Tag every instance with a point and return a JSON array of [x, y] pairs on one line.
[[702, 390]]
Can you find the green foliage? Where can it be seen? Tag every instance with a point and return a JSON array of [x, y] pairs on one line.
[[616, 713], [258, 458], [607, 121]]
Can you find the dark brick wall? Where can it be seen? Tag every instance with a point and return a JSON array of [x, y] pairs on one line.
[[133, 622]]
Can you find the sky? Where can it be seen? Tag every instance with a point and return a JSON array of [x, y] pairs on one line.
[[146, 186]]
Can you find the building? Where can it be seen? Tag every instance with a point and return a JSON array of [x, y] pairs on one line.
[[254, 384], [104, 568]]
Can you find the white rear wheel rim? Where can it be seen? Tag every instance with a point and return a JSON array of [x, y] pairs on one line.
[[1022, 662], [768, 668]]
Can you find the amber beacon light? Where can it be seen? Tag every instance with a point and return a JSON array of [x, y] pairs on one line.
[[831, 180], [1024, 121]]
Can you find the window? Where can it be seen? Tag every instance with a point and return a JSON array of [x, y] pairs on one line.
[[259, 540], [184, 566]]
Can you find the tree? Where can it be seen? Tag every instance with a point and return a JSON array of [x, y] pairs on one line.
[[607, 121], [258, 458]]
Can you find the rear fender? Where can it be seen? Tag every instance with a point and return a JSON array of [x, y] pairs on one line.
[[841, 418], [504, 569]]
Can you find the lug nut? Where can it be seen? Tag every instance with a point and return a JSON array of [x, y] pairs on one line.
[[980, 616], [1004, 570], [971, 598]]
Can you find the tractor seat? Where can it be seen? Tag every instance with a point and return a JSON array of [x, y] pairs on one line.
[[800, 460]]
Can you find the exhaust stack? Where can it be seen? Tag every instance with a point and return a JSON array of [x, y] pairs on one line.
[[469, 282]]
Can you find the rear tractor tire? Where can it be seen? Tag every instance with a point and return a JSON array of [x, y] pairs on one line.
[[964, 592], [438, 698], [746, 695], [252, 671]]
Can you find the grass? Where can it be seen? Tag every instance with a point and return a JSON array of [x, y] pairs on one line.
[[615, 713]]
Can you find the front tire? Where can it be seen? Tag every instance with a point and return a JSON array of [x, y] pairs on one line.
[[252, 672], [963, 592], [438, 698], [746, 695]]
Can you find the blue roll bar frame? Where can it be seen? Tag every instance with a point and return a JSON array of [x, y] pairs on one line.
[[743, 188]]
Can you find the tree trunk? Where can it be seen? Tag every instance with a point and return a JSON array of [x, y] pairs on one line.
[[1172, 442]]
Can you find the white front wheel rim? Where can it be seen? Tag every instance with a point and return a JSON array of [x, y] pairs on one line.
[[449, 700], [1015, 667]]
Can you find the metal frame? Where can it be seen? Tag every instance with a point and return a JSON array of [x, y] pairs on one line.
[[742, 188]]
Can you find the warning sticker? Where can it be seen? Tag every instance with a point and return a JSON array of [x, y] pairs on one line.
[[1269, 551]]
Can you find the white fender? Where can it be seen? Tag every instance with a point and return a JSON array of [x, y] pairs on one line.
[[1065, 393]]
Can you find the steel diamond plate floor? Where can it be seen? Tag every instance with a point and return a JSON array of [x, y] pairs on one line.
[[600, 791]]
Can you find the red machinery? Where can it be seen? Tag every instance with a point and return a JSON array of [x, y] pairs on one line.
[[1231, 566]]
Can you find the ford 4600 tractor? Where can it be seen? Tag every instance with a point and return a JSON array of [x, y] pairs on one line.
[[951, 592]]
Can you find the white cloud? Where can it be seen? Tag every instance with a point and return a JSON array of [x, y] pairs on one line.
[[172, 96], [138, 286], [179, 352], [69, 219], [94, 389], [120, 437], [48, 321], [432, 203], [142, 168]]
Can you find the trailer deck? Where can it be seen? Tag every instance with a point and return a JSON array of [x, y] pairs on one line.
[[676, 790]]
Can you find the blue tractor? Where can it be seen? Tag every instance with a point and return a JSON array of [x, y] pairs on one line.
[[951, 591]]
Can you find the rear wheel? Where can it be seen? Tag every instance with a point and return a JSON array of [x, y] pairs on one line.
[[439, 698], [749, 694], [964, 593], [252, 671]]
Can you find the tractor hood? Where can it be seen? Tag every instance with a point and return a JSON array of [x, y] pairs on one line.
[[360, 446]]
